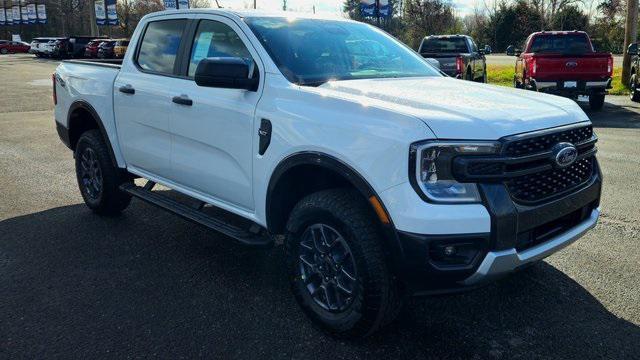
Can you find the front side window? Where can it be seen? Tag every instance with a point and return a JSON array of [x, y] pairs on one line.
[[159, 47], [313, 51], [215, 39]]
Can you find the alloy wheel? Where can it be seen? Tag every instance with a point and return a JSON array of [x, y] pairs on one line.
[[90, 173], [327, 268]]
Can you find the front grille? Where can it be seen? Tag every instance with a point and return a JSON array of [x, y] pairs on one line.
[[544, 185], [542, 143]]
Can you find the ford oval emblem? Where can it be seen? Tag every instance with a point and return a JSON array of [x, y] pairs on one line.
[[564, 154]]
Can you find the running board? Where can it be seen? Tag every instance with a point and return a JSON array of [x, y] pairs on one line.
[[145, 193]]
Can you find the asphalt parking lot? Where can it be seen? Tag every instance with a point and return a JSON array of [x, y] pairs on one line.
[[149, 284]]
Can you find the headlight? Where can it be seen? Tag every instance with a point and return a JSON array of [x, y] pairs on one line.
[[430, 170]]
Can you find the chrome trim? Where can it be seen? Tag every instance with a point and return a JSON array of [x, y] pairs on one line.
[[500, 263], [561, 128], [598, 83]]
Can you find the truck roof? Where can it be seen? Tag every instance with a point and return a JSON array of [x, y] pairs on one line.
[[565, 32], [250, 13]]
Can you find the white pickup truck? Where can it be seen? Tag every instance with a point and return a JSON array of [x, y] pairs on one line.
[[382, 177]]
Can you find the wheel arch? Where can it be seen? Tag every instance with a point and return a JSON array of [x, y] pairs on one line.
[[83, 117], [284, 191]]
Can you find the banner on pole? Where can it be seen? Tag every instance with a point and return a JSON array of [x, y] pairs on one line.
[[41, 12], [368, 8], [8, 14], [3, 19], [23, 12], [101, 13], [385, 8], [183, 4], [112, 12], [16, 14], [170, 4], [31, 13]]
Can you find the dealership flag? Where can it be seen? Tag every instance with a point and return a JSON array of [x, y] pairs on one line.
[[8, 14], [183, 4], [41, 12], [31, 13], [23, 12], [170, 4], [101, 13], [16, 14], [112, 13], [3, 20]]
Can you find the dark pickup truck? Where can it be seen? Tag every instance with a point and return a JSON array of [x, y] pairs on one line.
[[563, 63], [635, 73], [458, 55]]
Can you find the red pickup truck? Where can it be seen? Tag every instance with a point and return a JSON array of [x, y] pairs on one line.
[[563, 63]]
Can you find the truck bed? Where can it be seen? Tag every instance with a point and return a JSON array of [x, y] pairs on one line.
[[115, 63]]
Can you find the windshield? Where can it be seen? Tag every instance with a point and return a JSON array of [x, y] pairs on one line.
[[452, 45], [313, 51], [565, 44]]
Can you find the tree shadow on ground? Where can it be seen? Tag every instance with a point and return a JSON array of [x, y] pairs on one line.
[[148, 283], [618, 114]]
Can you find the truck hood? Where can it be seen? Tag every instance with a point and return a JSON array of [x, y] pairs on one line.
[[456, 109]]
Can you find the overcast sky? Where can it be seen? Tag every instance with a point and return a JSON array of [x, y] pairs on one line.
[[463, 7]]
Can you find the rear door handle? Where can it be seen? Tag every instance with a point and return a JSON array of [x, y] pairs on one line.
[[127, 89], [182, 100]]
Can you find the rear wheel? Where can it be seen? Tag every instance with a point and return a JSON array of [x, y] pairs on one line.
[[4, 51], [634, 93], [98, 179], [596, 101], [338, 271]]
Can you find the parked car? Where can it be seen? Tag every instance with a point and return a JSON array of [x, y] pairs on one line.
[[105, 49], [12, 47], [458, 56], [91, 49], [43, 46], [635, 72], [71, 47], [382, 179], [563, 63], [120, 48]]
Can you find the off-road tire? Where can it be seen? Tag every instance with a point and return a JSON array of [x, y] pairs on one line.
[[377, 299], [110, 200], [634, 93], [596, 101]]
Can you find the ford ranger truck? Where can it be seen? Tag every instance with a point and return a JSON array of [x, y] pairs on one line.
[[382, 179], [563, 63]]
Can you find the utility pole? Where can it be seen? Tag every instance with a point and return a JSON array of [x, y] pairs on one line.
[[284, 5], [255, 5], [92, 18], [630, 34]]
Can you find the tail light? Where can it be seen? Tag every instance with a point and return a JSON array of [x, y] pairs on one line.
[[459, 65], [610, 66], [533, 67], [55, 95]]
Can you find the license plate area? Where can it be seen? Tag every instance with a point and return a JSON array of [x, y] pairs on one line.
[[570, 84]]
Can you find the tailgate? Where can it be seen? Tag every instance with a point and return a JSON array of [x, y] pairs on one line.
[[567, 67], [447, 61]]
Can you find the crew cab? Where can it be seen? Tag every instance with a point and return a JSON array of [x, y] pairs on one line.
[[563, 63], [381, 179], [458, 55], [634, 72]]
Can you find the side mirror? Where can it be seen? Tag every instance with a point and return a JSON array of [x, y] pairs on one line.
[[487, 50], [633, 49], [226, 72]]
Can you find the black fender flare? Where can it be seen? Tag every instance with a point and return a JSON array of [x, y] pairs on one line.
[[81, 104], [332, 163]]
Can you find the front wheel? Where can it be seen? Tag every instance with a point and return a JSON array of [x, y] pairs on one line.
[[596, 101], [4, 51], [339, 274], [99, 180], [634, 93]]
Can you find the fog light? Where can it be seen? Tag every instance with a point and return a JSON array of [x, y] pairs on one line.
[[449, 250]]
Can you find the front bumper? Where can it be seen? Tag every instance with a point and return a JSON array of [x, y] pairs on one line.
[[519, 235], [499, 263]]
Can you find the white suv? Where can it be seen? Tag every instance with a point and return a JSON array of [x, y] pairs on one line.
[[383, 177]]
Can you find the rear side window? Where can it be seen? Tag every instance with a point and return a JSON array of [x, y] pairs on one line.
[[444, 45], [215, 39], [159, 47]]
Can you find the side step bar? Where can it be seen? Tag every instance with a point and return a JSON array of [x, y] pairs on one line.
[[196, 215]]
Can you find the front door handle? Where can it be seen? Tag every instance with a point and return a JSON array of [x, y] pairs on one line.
[[127, 89], [182, 100]]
